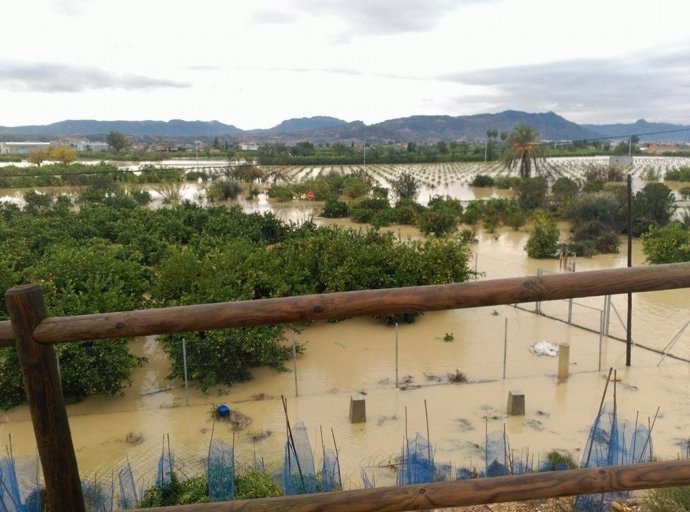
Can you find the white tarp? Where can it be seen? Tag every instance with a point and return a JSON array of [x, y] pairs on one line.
[[544, 348]]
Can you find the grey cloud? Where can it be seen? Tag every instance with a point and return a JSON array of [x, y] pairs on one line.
[[373, 17], [41, 77], [70, 7], [273, 16], [651, 85]]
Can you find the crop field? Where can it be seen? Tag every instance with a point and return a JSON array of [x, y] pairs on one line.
[[436, 175]]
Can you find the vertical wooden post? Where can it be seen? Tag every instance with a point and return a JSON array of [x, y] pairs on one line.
[[46, 403], [563, 361]]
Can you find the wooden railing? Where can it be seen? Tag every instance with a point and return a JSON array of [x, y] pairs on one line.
[[33, 334]]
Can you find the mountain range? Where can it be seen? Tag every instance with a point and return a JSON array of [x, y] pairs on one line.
[[323, 129]]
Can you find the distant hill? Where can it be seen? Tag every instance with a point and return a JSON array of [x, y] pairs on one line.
[[87, 127], [323, 129], [669, 132], [550, 126], [306, 124]]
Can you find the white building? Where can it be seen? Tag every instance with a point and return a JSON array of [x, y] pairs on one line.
[[22, 148]]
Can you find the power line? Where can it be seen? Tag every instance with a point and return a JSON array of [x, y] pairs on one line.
[[609, 137]]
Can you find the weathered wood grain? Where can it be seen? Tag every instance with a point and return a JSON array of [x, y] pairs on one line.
[[360, 303], [46, 403]]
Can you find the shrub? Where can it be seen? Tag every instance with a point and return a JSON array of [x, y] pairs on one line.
[[557, 461], [564, 189], [515, 218], [334, 209], [680, 174], [543, 239], [281, 193], [222, 190], [671, 499], [406, 214], [473, 212], [405, 186], [483, 181], [362, 215], [177, 492], [255, 484], [507, 182], [141, 196], [532, 193], [439, 221], [601, 237], [382, 218]]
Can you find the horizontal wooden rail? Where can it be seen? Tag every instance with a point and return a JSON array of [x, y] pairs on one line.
[[357, 303], [465, 492]]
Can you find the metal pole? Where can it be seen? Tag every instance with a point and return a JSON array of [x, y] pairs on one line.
[[505, 347], [186, 379], [570, 311], [628, 343], [396, 355], [607, 307], [601, 335], [294, 360]]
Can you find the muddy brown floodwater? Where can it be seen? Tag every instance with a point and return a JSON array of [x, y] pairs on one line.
[[359, 356]]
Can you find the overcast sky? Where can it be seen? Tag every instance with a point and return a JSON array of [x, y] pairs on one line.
[[254, 63]]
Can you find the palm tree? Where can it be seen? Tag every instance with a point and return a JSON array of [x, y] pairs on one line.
[[522, 145]]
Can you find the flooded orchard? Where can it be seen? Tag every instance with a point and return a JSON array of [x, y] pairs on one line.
[[358, 356]]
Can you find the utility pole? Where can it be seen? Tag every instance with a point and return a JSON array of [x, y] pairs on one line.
[[628, 344]]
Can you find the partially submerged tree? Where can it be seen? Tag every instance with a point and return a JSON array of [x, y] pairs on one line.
[[522, 147], [405, 186], [543, 238]]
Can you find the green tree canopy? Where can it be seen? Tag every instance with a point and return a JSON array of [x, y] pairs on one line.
[[667, 244], [117, 140], [543, 238]]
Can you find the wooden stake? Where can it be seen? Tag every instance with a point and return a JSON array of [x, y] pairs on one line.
[[46, 402]]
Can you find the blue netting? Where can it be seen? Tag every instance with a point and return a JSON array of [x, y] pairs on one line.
[[465, 474], [299, 473], [98, 497], [18, 482], [128, 490], [416, 463], [639, 443], [166, 467], [443, 473], [366, 481], [496, 455], [330, 476], [221, 472], [10, 497], [610, 443]]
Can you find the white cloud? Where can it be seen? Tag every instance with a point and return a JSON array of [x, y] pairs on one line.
[[253, 63], [52, 78]]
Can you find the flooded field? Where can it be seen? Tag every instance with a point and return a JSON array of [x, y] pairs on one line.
[[358, 356]]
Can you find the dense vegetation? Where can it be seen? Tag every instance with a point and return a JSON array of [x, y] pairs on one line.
[[113, 255]]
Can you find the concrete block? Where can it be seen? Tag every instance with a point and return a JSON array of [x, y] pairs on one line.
[[358, 410], [516, 403], [563, 361]]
